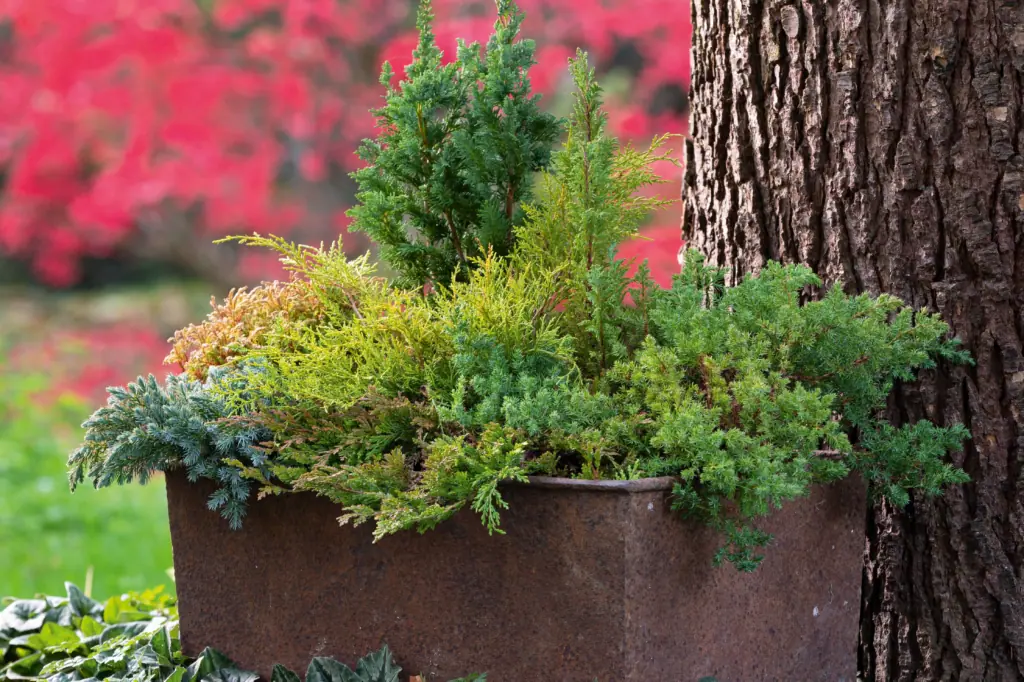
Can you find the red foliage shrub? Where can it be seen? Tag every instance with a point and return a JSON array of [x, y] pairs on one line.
[[83, 362], [170, 122]]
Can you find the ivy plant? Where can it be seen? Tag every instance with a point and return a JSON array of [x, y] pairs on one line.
[[135, 638], [130, 637]]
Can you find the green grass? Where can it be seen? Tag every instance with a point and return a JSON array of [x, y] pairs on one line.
[[48, 535]]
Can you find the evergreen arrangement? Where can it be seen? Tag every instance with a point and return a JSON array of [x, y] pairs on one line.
[[533, 350]]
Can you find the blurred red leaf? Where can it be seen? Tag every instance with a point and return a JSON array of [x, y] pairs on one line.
[[111, 109]]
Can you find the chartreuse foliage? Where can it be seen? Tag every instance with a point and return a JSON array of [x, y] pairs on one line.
[[586, 206], [134, 637], [404, 406], [448, 175]]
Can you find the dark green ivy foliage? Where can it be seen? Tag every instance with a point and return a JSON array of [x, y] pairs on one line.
[[135, 638], [146, 427], [448, 174], [130, 638], [378, 666]]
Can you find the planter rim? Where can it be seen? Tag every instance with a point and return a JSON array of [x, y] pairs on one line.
[[641, 485]]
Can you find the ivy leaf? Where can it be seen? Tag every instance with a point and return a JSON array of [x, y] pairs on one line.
[[26, 667], [81, 605], [91, 627], [329, 670], [53, 636], [179, 674], [378, 666], [209, 662], [231, 675], [24, 615], [161, 643], [283, 674], [119, 630], [66, 677], [121, 610]]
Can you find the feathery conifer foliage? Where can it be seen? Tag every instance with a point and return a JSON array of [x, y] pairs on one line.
[[587, 205], [540, 354], [241, 321], [452, 166], [146, 427]]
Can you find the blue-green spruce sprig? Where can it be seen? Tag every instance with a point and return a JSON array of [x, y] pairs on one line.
[[147, 427]]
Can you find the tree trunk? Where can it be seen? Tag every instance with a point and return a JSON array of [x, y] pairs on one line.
[[879, 141]]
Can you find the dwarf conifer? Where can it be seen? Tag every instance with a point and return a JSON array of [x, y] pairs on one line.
[[147, 428], [453, 163]]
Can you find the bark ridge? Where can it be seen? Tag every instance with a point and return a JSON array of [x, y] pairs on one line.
[[880, 142]]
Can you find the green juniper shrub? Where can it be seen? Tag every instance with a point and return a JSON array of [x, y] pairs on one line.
[[542, 355]]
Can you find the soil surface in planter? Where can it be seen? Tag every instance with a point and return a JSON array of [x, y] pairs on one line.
[[591, 582]]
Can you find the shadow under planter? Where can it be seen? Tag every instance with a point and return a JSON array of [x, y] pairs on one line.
[[593, 580]]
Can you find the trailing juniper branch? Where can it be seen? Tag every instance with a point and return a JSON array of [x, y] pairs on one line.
[[146, 428]]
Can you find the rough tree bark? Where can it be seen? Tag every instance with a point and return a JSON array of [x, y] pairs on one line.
[[880, 142]]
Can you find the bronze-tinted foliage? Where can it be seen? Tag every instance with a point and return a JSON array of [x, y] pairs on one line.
[[241, 323]]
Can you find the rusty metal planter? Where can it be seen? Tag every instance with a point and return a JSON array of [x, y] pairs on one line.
[[592, 581]]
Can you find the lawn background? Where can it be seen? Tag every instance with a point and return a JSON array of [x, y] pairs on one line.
[[48, 535]]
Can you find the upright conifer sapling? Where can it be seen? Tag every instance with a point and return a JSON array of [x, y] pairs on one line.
[[452, 166]]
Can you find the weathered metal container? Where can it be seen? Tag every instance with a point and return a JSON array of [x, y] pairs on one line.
[[593, 581]]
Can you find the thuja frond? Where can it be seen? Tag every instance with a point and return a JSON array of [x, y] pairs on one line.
[[241, 322], [326, 274], [454, 472], [369, 335]]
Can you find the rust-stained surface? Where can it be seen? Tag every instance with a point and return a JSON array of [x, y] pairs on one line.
[[590, 582]]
